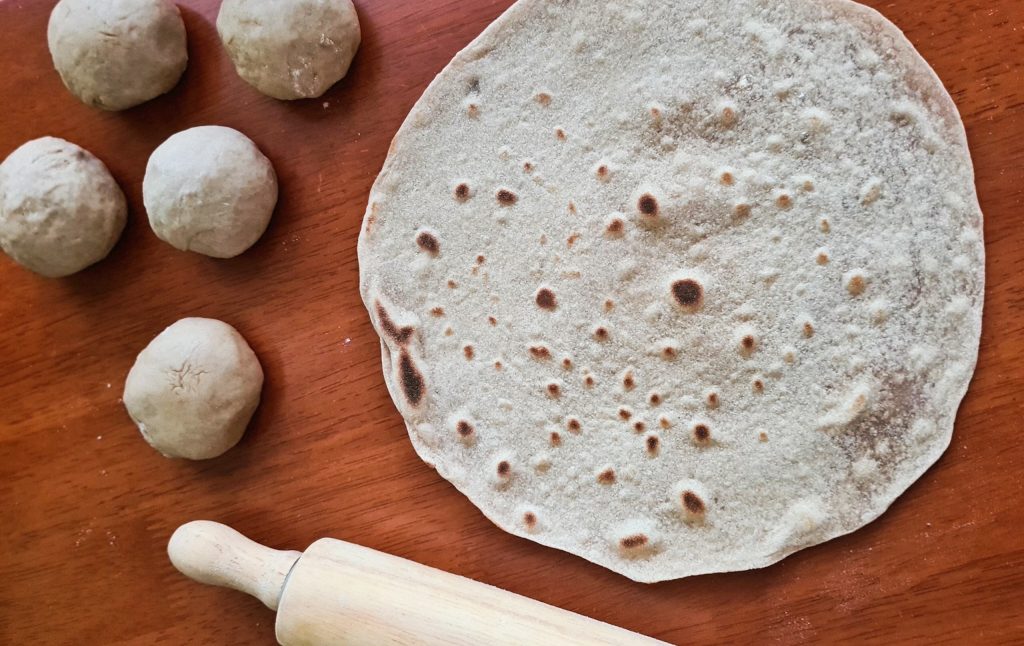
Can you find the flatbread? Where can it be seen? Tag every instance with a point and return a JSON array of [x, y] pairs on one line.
[[679, 287]]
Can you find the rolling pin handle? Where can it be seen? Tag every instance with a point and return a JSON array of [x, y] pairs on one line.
[[215, 554]]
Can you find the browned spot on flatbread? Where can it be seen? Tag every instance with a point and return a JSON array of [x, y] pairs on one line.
[[633, 541], [693, 503], [688, 293], [462, 192], [413, 386], [540, 352], [652, 443], [530, 519], [545, 299], [506, 197], [464, 429], [400, 336], [607, 476], [648, 205], [428, 242]]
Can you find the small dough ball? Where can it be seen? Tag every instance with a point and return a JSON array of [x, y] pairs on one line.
[[290, 49], [60, 210], [116, 54], [193, 389], [209, 190]]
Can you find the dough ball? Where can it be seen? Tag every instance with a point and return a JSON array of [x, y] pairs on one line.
[[290, 49], [209, 190], [193, 389], [116, 54], [60, 210]]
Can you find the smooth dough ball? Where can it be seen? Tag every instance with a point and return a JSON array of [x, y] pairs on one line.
[[193, 389], [116, 54], [290, 49], [209, 190], [60, 209]]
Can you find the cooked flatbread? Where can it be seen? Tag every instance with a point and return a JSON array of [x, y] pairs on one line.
[[679, 287]]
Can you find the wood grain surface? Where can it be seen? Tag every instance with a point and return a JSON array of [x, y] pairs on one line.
[[86, 507]]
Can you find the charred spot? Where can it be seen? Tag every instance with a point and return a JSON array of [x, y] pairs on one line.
[[588, 381], [473, 110], [633, 541], [413, 386], [401, 335], [560, 134], [607, 476], [530, 519], [615, 226], [693, 503], [762, 436], [539, 352], [603, 172], [452, 284], [727, 178], [713, 400], [601, 333], [572, 207], [747, 342], [668, 352], [556, 438], [481, 259], [784, 201], [428, 242], [504, 469], [528, 166], [825, 226], [573, 425], [498, 365], [464, 428], [572, 240], [543, 98], [609, 305], [652, 443], [856, 285], [567, 363], [625, 413], [639, 426], [808, 329], [758, 386], [545, 299], [822, 258], [742, 210], [468, 351], [492, 320], [462, 192], [654, 399], [437, 312], [664, 422], [628, 381], [701, 433], [647, 205], [506, 197], [688, 292], [554, 390]]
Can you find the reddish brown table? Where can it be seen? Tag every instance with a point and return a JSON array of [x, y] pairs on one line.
[[86, 506]]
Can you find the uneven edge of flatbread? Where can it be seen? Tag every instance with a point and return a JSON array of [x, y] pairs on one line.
[[925, 80]]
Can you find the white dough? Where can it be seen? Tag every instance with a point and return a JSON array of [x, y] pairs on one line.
[[290, 49], [193, 389], [60, 210], [116, 54], [209, 190]]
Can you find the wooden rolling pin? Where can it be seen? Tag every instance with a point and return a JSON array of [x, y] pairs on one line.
[[340, 593]]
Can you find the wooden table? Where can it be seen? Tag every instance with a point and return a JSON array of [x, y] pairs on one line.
[[86, 506]]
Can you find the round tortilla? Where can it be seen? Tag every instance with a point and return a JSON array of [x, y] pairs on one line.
[[679, 288]]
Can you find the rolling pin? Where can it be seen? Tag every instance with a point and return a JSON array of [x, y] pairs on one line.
[[339, 593]]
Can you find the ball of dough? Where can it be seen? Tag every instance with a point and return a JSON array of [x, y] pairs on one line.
[[116, 54], [193, 389], [290, 49], [60, 210], [209, 190]]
